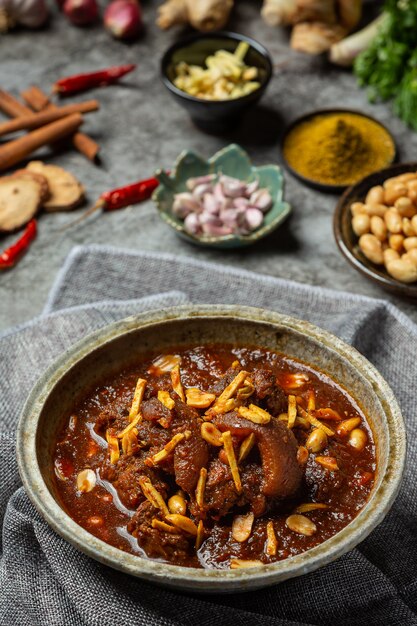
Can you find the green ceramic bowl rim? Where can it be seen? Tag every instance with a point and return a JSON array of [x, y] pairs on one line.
[[195, 579], [254, 236]]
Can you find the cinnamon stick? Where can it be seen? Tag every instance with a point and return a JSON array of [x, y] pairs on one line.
[[39, 101], [15, 151], [11, 106], [35, 120]]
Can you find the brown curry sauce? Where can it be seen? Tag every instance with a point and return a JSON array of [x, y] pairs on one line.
[[116, 510]]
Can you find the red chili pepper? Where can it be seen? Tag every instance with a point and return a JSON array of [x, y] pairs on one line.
[[82, 82], [131, 194], [121, 197], [10, 257]]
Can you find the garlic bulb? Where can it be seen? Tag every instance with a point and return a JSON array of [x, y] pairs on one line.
[[30, 13]]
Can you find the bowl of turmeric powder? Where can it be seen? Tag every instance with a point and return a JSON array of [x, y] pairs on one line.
[[332, 149]]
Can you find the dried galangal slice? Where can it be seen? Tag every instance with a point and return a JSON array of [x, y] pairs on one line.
[[199, 399], [165, 399], [66, 192], [242, 527], [20, 200], [306, 507]]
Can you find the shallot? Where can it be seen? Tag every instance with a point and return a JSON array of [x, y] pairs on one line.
[[221, 205], [30, 13], [81, 12], [123, 19]]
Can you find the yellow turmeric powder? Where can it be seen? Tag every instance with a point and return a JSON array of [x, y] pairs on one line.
[[338, 148]]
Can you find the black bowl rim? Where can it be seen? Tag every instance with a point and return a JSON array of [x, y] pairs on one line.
[[327, 188], [384, 280], [225, 34]]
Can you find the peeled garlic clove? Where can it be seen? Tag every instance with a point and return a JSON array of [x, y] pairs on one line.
[[192, 224], [218, 192], [210, 204], [200, 190], [229, 218], [192, 183], [184, 203], [254, 218], [241, 203], [261, 199], [232, 187], [251, 188]]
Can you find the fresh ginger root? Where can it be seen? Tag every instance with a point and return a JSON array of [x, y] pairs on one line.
[[290, 12], [204, 15], [318, 24]]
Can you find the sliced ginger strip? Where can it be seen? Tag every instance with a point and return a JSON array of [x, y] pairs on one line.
[[232, 388], [167, 449], [113, 444], [271, 539], [244, 563], [292, 411], [315, 422], [176, 382], [153, 495], [184, 523], [220, 409], [130, 441], [200, 535], [130, 426], [254, 414], [246, 446], [201, 486], [311, 402], [230, 453], [137, 398], [165, 399], [306, 507], [167, 528]]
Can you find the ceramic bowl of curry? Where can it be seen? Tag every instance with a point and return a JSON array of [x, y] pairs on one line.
[[256, 416]]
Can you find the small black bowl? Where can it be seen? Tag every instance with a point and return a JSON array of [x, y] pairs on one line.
[[315, 184], [347, 241], [214, 116]]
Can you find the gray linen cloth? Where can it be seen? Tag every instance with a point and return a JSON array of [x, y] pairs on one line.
[[45, 581]]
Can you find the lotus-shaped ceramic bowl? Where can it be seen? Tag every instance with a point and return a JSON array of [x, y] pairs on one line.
[[231, 161]]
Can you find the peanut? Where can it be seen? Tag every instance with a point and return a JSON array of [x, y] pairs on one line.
[[407, 227], [396, 242], [411, 255], [357, 207], [371, 248], [390, 255], [405, 207], [378, 228], [375, 195], [407, 177], [301, 525], [414, 224], [361, 224], [358, 439], [177, 504], [403, 270], [375, 209], [317, 440], [410, 242], [393, 221], [392, 193]]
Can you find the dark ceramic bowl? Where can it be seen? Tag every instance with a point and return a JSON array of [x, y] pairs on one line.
[[119, 345], [304, 118], [214, 115], [348, 241]]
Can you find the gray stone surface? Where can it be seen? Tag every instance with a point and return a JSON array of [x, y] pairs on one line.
[[140, 128]]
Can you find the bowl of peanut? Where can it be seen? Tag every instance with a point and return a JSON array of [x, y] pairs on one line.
[[375, 226]]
